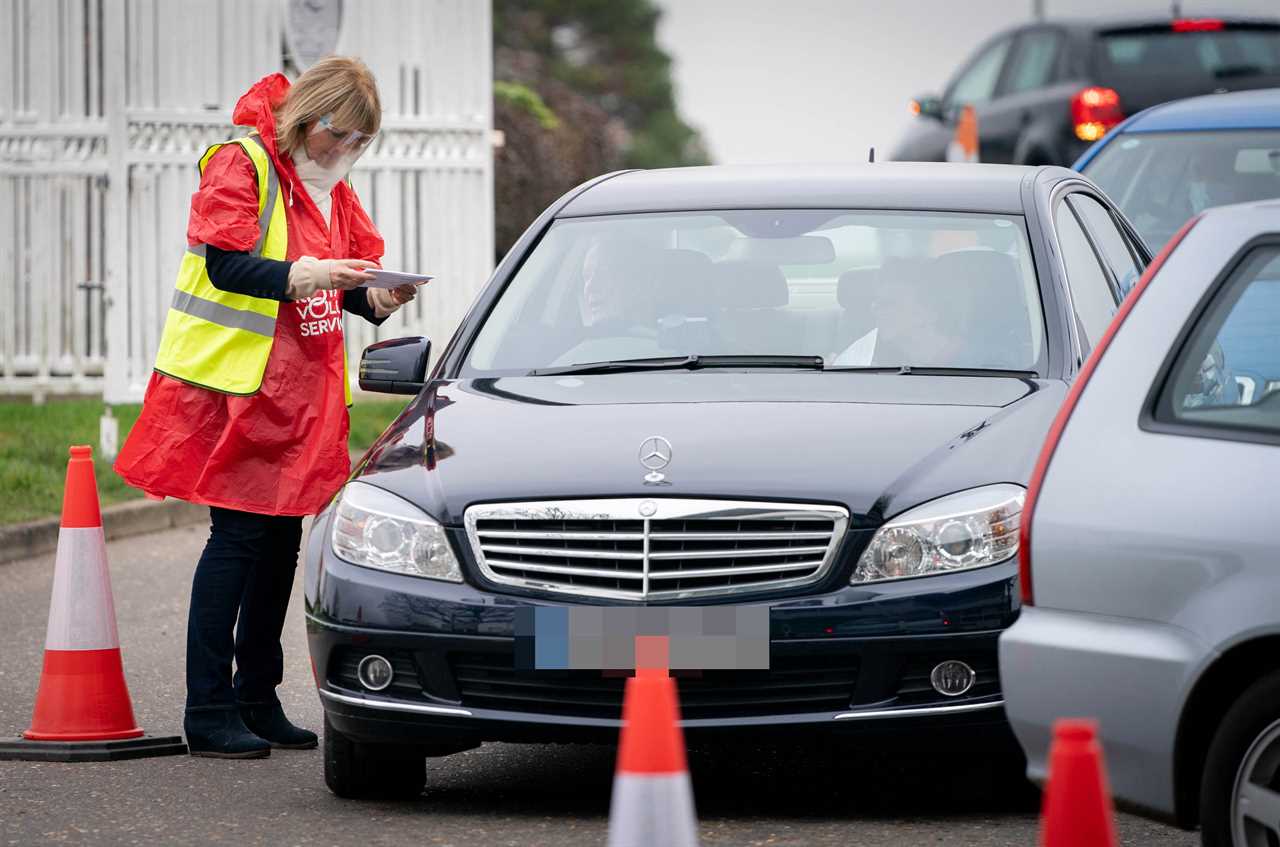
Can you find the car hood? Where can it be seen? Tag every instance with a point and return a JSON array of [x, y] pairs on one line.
[[874, 443]]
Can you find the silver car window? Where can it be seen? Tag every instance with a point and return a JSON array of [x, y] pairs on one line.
[[1228, 373]]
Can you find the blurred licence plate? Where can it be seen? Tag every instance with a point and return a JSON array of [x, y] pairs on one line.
[[604, 637]]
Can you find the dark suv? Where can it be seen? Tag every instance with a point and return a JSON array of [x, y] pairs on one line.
[[1042, 93]]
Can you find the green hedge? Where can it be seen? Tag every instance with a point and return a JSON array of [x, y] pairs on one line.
[[34, 442]]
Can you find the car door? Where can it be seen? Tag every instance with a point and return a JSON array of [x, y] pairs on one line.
[[1007, 120], [978, 85], [1093, 293]]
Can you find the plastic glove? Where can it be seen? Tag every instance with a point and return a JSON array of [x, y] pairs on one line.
[[307, 275], [385, 301]]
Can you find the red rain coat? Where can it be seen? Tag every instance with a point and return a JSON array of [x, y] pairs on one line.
[[283, 450]]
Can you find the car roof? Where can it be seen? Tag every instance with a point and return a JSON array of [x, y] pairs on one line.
[[1122, 21], [937, 186], [1256, 109]]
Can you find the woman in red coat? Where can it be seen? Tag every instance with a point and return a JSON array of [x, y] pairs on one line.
[[264, 460]]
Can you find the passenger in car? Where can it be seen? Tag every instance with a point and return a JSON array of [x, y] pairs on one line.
[[911, 324]]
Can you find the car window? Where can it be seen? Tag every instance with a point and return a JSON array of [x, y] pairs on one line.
[[1110, 240], [1159, 179], [1035, 60], [856, 288], [1228, 373], [1127, 56], [977, 83], [1095, 305]]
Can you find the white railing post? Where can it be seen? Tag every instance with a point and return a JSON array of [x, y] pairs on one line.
[[115, 292]]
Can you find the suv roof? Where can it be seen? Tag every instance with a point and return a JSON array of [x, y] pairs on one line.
[[941, 186]]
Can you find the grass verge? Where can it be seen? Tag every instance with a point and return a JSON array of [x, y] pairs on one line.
[[34, 442]]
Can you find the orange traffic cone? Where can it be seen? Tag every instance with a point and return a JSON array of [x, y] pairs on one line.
[[652, 797], [1077, 802], [82, 710]]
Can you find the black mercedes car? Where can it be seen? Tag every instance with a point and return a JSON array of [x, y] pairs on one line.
[[815, 392]]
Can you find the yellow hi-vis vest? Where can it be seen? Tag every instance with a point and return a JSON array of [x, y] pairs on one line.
[[218, 339]]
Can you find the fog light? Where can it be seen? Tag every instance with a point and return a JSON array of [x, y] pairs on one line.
[[375, 673], [952, 678]]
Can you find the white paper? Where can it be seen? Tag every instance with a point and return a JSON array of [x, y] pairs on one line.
[[395, 279], [859, 353]]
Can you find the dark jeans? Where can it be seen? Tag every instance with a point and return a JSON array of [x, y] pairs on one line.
[[246, 571]]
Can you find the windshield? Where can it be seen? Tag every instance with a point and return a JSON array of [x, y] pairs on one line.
[[1159, 179], [846, 289]]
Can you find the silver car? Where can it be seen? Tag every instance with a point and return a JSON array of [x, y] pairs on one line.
[[1150, 555]]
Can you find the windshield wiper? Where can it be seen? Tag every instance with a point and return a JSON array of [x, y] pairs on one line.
[[690, 363], [914, 370]]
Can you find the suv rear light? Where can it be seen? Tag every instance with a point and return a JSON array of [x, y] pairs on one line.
[[1198, 25], [1094, 110], [1069, 405]]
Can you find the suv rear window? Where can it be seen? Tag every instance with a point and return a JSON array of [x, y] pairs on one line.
[[1214, 54]]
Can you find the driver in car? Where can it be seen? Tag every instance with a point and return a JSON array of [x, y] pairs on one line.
[[614, 304]]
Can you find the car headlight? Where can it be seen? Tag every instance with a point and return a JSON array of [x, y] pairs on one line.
[[377, 529], [969, 529]]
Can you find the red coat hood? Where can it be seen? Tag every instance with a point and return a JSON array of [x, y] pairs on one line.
[[256, 109]]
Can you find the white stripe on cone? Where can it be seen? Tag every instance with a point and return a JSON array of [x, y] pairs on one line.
[[81, 613], [652, 810]]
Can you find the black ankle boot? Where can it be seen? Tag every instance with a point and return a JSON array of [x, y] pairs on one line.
[[221, 734], [269, 722]]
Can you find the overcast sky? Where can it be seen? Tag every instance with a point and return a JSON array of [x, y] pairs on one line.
[[822, 80]]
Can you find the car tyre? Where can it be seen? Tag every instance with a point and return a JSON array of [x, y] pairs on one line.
[[370, 771], [1245, 750]]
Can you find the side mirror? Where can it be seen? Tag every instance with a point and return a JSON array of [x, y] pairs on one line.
[[927, 106], [396, 366]]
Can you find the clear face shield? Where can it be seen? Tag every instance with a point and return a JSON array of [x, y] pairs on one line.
[[336, 148]]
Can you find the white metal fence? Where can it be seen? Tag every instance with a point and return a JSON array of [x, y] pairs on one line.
[[105, 105]]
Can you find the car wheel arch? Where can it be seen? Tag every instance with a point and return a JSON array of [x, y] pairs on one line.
[[1215, 690]]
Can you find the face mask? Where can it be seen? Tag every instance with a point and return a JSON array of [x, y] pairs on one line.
[[318, 180]]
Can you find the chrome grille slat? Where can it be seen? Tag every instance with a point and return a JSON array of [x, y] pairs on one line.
[[737, 536], [565, 552], [744, 552], [562, 536], [661, 548], [697, 573], [564, 569]]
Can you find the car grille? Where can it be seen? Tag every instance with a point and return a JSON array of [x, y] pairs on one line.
[[794, 685], [654, 549]]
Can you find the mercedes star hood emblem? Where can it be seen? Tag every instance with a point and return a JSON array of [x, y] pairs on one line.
[[655, 454]]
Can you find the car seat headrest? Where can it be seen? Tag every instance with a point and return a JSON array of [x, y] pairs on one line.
[[746, 284]]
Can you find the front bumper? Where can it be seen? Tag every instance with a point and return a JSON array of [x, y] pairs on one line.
[[850, 661], [1129, 675]]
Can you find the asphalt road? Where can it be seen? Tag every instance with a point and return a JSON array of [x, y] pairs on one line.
[[499, 794]]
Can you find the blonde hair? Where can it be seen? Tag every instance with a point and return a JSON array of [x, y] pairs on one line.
[[340, 86]]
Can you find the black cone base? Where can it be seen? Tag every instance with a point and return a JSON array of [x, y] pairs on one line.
[[21, 749]]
